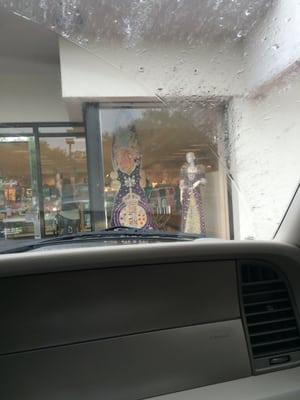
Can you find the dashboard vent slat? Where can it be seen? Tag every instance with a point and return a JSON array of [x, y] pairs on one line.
[[270, 332], [258, 303], [267, 311], [272, 321], [269, 314], [260, 282], [258, 293], [291, 339]]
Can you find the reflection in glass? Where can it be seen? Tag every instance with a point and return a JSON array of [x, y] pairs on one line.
[[19, 216], [65, 185]]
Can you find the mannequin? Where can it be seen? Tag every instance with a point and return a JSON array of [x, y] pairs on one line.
[[130, 207], [192, 178]]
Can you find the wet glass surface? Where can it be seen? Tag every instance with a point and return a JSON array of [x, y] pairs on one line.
[[187, 91]]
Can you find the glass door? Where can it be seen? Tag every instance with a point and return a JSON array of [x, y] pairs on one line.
[[19, 204]]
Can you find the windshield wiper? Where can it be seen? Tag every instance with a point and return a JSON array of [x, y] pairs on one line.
[[114, 233]]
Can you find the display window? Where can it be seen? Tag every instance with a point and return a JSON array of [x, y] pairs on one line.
[[164, 171], [144, 167]]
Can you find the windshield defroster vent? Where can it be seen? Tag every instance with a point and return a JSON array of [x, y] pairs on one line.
[[269, 316]]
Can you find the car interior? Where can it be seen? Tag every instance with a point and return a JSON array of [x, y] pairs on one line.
[[193, 320], [149, 200]]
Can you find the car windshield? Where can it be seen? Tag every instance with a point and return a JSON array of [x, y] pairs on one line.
[[178, 117]]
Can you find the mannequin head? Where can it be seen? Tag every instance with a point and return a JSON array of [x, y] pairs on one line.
[[190, 157]]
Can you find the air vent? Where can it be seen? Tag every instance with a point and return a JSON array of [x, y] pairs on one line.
[[269, 315]]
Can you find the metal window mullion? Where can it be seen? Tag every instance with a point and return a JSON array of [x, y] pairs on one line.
[[40, 124], [95, 164], [39, 178], [61, 134]]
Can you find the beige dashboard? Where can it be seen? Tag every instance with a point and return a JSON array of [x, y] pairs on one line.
[[181, 321]]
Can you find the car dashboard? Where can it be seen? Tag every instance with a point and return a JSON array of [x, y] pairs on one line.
[[171, 320]]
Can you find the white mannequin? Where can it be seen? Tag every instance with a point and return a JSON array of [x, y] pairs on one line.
[[191, 169]]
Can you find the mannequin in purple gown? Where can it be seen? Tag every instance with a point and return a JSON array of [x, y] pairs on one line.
[[192, 177]]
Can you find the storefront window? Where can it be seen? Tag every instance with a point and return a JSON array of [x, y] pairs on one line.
[[162, 170], [19, 217], [65, 185]]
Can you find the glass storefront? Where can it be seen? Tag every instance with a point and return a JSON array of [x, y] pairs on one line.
[[43, 181], [162, 170], [19, 215]]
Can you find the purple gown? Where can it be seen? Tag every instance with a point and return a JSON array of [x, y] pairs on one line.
[[193, 219], [131, 207]]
